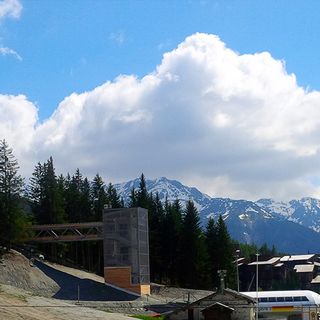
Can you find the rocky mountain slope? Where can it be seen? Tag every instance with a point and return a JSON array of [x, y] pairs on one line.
[[293, 226], [305, 211]]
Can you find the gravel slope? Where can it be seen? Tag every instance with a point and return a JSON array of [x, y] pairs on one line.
[[16, 270], [17, 303]]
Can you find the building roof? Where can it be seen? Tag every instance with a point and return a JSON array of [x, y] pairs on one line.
[[267, 262], [235, 294], [297, 257], [299, 268], [316, 279], [280, 264], [241, 260]]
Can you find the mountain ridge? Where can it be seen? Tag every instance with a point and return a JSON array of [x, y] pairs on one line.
[[292, 226]]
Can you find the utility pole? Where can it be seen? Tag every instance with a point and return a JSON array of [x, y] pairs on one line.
[[238, 280], [257, 286]]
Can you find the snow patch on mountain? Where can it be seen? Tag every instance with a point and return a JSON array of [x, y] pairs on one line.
[[243, 216], [282, 208], [305, 211]]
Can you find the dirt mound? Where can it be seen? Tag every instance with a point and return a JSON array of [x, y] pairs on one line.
[[16, 270]]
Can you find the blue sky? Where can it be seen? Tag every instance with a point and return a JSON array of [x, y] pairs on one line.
[[222, 95], [74, 46]]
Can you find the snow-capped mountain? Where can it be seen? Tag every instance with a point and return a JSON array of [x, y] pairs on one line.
[[305, 211], [171, 189], [293, 226], [248, 222]]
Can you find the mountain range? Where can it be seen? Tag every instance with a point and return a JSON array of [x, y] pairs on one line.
[[292, 227]]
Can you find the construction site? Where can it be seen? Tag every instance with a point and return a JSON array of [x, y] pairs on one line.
[[33, 288]]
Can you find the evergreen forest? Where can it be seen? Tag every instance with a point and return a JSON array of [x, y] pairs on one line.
[[181, 252]]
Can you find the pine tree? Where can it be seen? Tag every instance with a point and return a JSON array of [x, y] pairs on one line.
[[142, 194], [133, 202], [86, 201], [35, 190], [171, 236], [12, 219], [113, 198], [54, 195], [225, 252], [99, 196], [212, 243], [73, 196], [192, 250], [46, 195], [156, 219]]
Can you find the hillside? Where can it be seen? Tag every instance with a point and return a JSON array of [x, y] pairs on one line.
[[53, 292], [17, 303], [16, 270], [26, 292], [51, 280]]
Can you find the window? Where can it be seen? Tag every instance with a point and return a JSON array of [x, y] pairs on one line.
[[288, 299], [280, 299]]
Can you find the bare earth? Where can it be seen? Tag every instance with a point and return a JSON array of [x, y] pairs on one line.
[[43, 290], [26, 293], [19, 304]]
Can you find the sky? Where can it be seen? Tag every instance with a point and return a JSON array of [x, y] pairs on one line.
[[220, 95]]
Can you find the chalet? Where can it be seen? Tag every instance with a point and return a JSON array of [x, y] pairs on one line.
[[305, 274], [291, 261], [298, 270]]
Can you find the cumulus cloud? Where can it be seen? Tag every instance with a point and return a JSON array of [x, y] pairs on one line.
[[234, 125], [5, 51], [10, 8], [18, 120]]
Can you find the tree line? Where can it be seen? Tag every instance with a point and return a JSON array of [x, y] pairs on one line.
[[181, 252]]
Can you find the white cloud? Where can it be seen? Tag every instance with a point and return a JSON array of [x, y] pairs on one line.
[[119, 37], [10, 8], [234, 125], [5, 51], [18, 119]]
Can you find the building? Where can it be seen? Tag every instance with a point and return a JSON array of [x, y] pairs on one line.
[[291, 272], [270, 270], [305, 274], [222, 305], [126, 249]]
